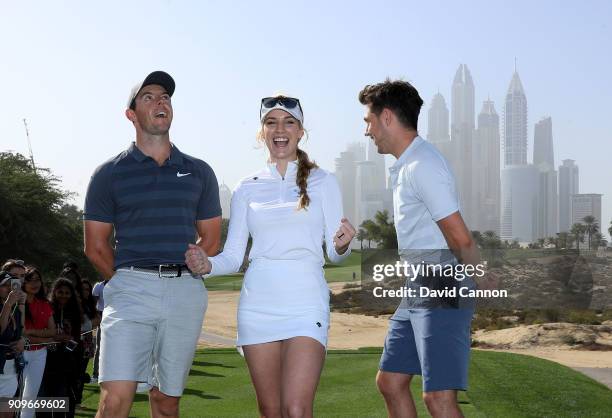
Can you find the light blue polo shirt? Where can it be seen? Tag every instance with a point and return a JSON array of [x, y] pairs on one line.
[[424, 192]]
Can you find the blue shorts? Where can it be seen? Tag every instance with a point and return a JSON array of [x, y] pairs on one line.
[[434, 343]]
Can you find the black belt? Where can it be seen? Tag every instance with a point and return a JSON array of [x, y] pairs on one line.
[[163, 270]]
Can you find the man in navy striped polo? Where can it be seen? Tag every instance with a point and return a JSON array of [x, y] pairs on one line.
[[157, 201]]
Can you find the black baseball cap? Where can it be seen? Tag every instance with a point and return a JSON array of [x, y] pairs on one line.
[[160, 78]]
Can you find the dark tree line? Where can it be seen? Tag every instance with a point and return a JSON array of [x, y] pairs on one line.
[[37, 222]]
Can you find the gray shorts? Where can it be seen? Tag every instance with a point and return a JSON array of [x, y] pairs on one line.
[[150, 329]]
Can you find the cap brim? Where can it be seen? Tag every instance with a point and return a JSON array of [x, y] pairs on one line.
[[160, 78]]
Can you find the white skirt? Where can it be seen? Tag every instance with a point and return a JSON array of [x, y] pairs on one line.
[[281, 299]]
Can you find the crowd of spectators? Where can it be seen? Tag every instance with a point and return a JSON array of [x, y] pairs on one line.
[[48, 334]]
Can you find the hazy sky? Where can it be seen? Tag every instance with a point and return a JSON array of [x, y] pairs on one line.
[[68, 66]]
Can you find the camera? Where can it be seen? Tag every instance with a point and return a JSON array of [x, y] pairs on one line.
[[15, 284], [71, 345]]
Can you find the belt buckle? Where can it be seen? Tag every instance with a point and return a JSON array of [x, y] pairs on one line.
[[161, 276]]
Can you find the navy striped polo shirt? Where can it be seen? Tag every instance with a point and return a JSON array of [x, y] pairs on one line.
[[153, 209]]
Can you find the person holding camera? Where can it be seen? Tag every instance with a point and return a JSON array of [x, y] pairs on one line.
[[39, 330], [12, 300], [61, 377], [15, 268]]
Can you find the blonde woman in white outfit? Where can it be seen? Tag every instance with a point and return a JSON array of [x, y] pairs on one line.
[[289, 208]]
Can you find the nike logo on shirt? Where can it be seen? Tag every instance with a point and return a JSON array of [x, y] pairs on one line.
[[179, 174]]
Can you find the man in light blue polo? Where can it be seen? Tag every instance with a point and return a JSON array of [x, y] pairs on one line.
[[428, 336], [157, 201]]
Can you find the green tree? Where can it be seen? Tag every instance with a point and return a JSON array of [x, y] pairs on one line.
[[381, 230], [478, 238], [563, 240], [491, 240], [577, 232], [361, 235], [599, 240], [610, 229], [37, 224], [591, 227]]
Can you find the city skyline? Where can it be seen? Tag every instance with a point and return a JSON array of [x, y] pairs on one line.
[[526, 208], [70, 73]]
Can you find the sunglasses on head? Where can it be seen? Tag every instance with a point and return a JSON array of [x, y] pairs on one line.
[[286, 102]]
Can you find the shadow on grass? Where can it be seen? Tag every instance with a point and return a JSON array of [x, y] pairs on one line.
[[207, 364], [193, 372], [200, 394]]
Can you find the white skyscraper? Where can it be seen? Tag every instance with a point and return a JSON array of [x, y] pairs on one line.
[[462, 134], [346, 170], [225, 196], [437, 134], [487, 176], [437, 120], [515, 124], [568, 186], [543, 151], [520, 186], [544, 160], [520, 182], [362, 181], [547, 202], [358, 149], [369, 193], [588, 204], [379, 173]]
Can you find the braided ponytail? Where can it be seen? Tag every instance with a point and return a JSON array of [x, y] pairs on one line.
[[303, 171]]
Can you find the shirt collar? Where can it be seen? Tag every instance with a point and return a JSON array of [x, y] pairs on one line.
[[291, 169], [176, 156], [407, 152]]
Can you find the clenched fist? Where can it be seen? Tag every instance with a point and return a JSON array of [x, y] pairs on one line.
[[344, 236], [197, 260]]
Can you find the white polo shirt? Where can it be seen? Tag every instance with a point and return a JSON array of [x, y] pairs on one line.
[[264, 205], [424, 192]]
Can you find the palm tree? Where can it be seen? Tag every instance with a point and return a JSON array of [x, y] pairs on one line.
[[599, 240], [491, 240], [361, 235], [563, 240], [591, 227], [610, 229], [381, 230], [477, 236], [577, 232]]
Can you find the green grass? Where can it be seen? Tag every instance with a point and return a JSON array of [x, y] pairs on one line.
[[229, 282], [333, 273], [501, 385]]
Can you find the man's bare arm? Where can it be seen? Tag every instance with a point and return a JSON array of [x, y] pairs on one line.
[[459, 239], [98, 248], [209, 231]]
